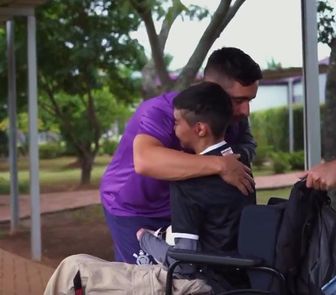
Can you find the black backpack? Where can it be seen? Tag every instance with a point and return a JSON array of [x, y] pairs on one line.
[[319, 264], [306, 246]]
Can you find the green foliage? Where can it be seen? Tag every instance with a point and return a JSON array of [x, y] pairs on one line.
[[3, 144], [111, 110], [326, 22], [264, 195], [74, 109], [158, 17], [296, 160], [3, 81], [84, 44], [280, 162], [167, 9], [90, 46], [262, 155], [55, 174], [109, 146], [270, 128], [86, 61], [22, 120], [50, 150], [273, 65], [327, 35], [20, 44], [69, 150]]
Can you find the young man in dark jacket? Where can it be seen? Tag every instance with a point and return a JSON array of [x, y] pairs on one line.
[[205, 210]]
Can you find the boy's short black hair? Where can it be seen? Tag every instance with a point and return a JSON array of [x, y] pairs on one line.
[[234, 64], [206, 102]]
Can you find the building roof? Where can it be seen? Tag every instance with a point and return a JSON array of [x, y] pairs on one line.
[[282, 76], [5, 5], [13, 3]]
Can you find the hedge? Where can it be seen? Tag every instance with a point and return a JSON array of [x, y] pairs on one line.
[[270, 128]]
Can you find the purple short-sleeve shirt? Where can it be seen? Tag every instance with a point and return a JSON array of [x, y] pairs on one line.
[[123, 191]]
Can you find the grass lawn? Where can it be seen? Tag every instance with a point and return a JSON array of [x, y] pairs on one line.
[[264, 195], [63, 174], [59, 174], [262, 171]]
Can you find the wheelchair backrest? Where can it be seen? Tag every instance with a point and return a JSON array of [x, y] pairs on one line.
[[258, 234]]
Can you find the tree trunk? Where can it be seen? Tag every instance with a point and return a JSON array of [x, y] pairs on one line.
[[150, 82], [86, 162]]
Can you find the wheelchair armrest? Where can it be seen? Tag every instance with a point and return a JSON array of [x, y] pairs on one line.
[[231, 260], [188, 256], [234, 260]]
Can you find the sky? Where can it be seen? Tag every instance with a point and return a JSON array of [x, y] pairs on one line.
[[265, 29]]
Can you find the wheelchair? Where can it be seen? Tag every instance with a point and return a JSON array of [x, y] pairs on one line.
[[258, 230], [296, 236]]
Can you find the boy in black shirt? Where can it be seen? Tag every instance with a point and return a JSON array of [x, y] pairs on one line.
[[205, 210]]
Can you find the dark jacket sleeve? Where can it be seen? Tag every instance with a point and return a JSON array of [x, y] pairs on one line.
[[244, 143]]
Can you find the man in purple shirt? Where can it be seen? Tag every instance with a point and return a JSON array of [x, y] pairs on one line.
[[134, 188]]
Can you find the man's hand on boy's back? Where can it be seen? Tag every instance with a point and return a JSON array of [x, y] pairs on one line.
[[236, 173]]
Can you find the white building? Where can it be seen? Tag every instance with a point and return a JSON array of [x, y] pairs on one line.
[[278, 86]]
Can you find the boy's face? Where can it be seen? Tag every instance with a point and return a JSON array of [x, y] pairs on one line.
[[184, 132]]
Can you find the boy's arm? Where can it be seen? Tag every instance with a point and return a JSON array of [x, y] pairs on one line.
[[153, 159]]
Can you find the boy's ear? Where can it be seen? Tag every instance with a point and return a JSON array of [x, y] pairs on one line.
[[201, 129]]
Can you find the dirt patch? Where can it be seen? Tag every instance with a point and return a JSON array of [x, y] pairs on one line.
[[63, 234]]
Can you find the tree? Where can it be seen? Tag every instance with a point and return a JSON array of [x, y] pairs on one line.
[[148, 10], [85, 44], [84, 51], [3, 109], [327, 35], [82, 46], [273, 65], [21, 101]]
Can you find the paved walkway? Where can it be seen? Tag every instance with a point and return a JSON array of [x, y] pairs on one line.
[[53, 202], [277, 180], [22, 276], [18, 275]]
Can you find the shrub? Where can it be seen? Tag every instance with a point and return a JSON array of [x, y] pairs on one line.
[[296, 160], [280, 162], [3, 144], [262, 155], [4, 186], [50, 150], [271, 127], [109, 147]]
